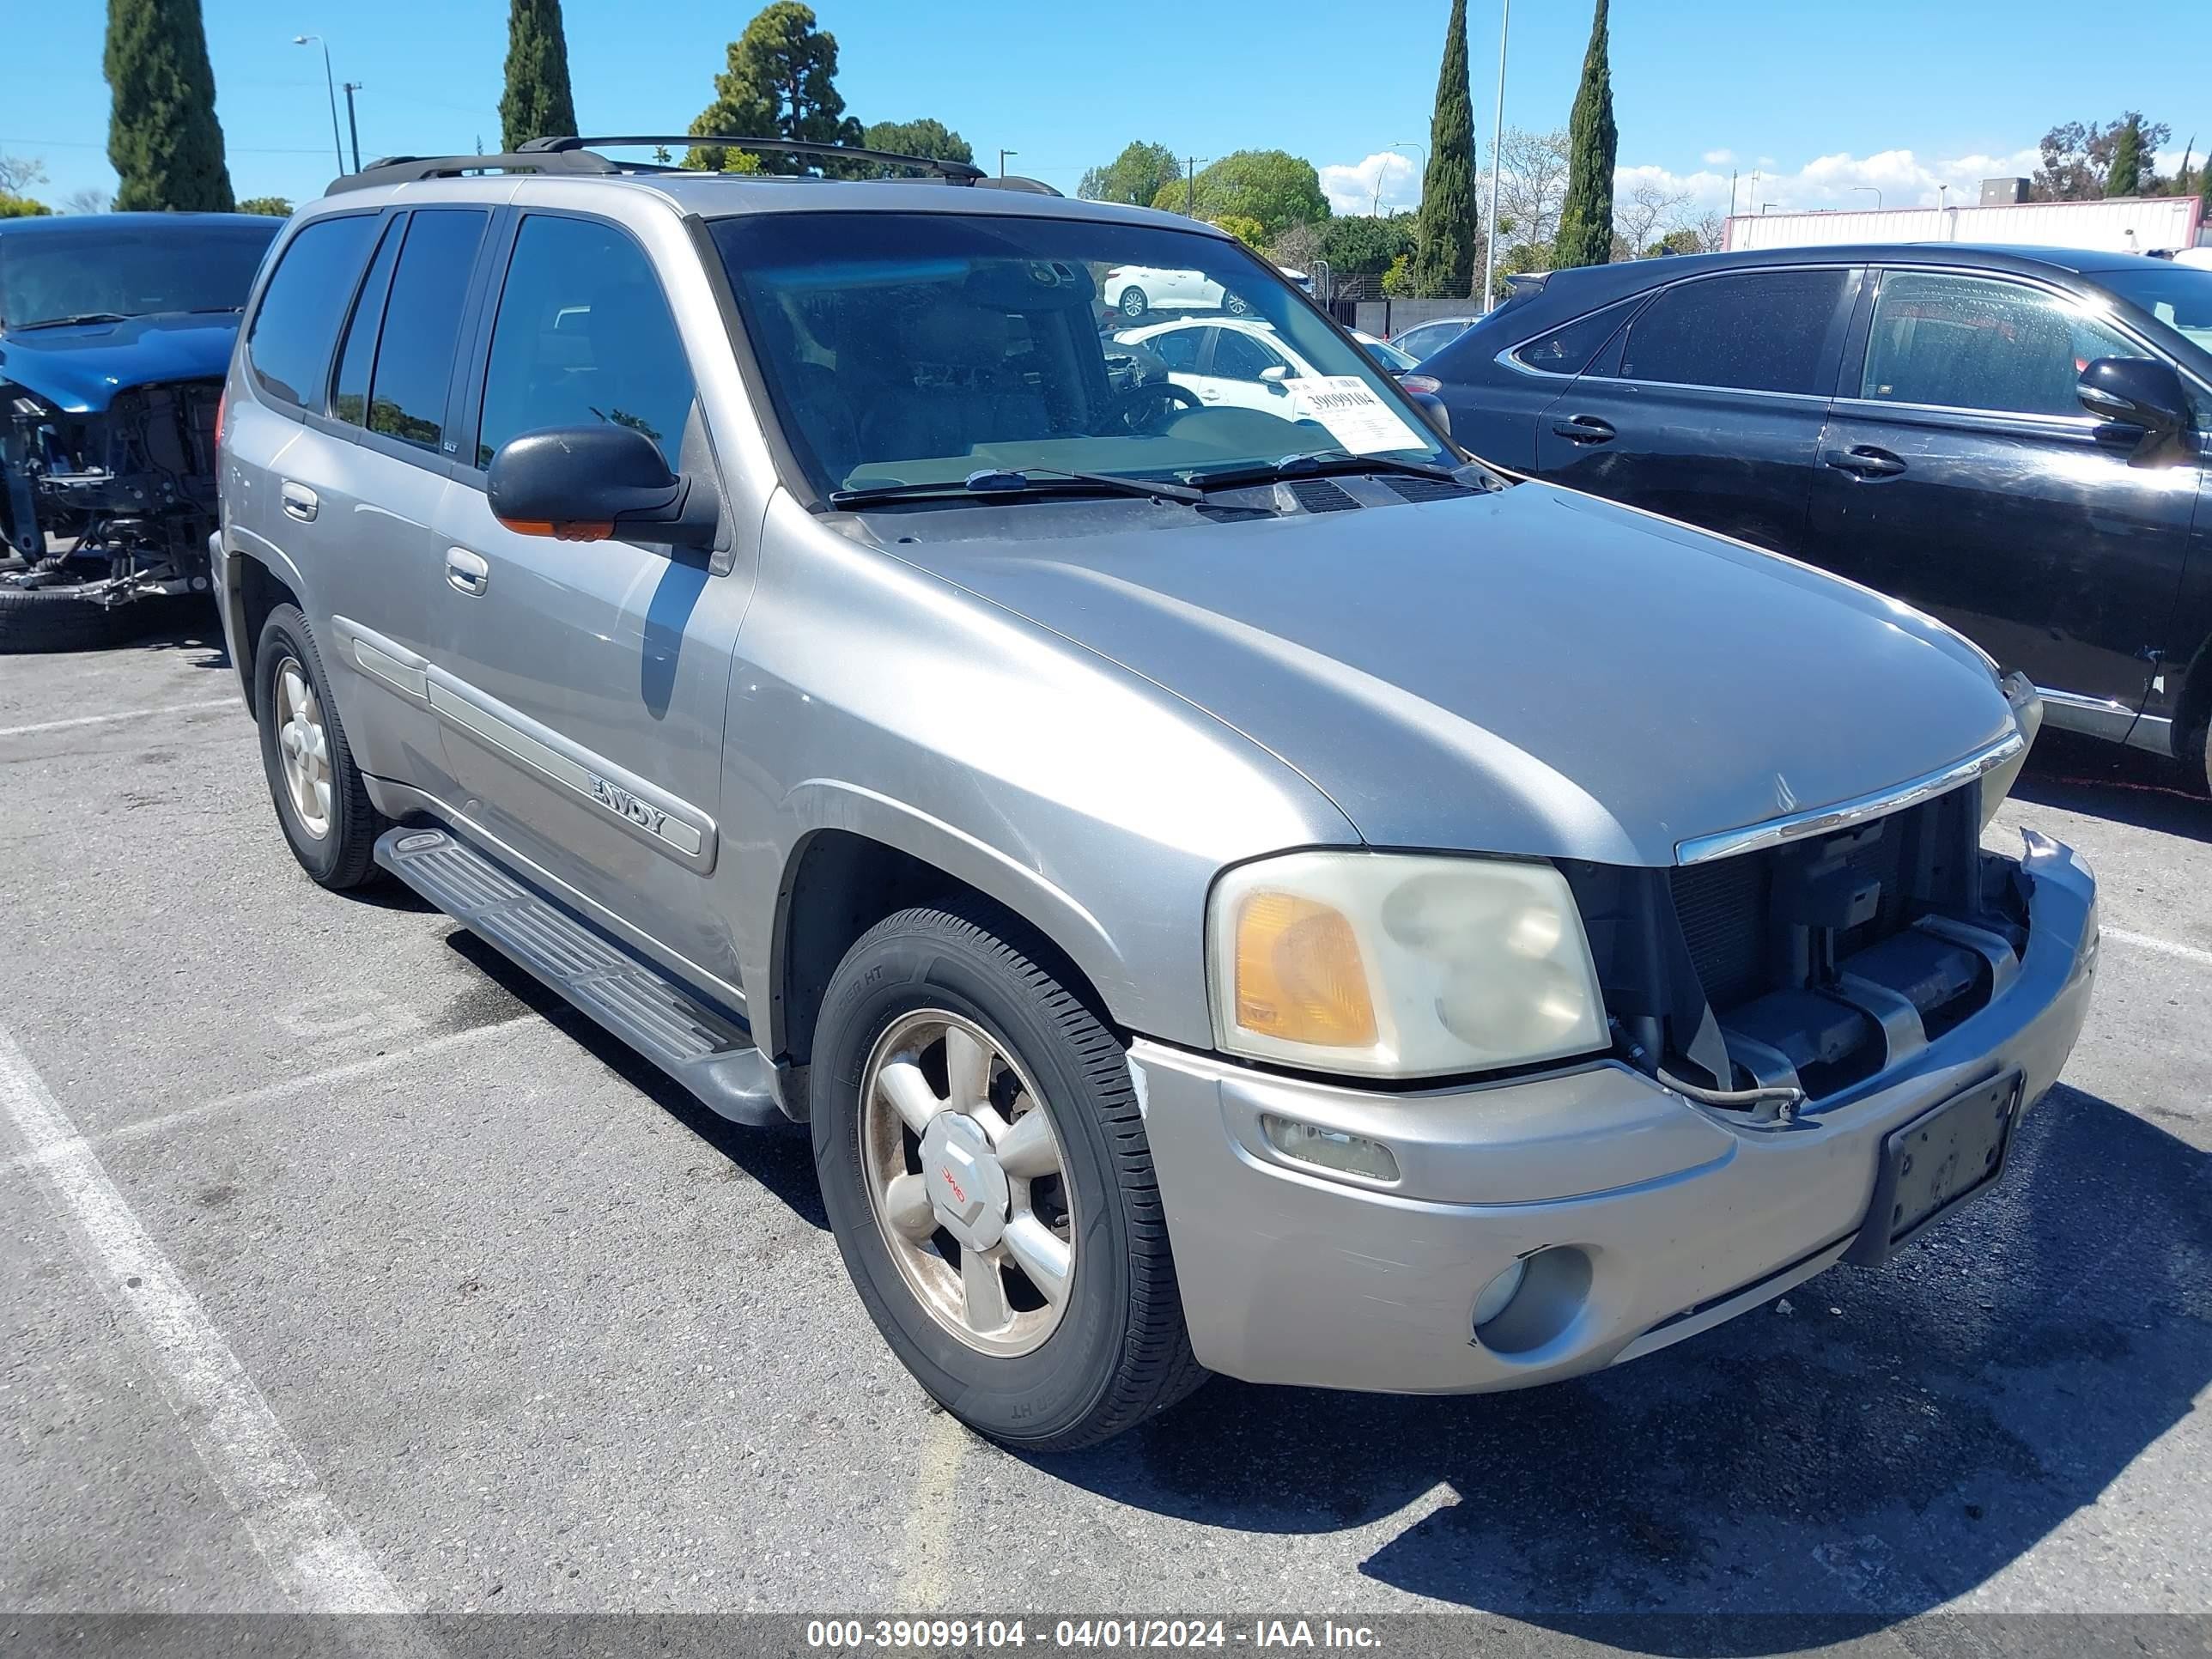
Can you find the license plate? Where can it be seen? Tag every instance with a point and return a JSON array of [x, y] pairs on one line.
[[1935, 1162]]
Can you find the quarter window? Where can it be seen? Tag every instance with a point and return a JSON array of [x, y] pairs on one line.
[[423, 325], [290, 347], [1760, 331], [583, 334], [1568, 350], [1973, 343]]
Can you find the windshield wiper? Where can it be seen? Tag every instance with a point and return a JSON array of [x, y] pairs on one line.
[[1319, 463], [209, 311], [1035, 483], [81, 317]]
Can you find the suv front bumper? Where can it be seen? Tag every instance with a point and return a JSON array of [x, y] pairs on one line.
[[1668, 1217]]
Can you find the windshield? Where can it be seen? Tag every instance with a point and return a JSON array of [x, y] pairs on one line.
[[2179, 297], [904, 348], [131, 272]]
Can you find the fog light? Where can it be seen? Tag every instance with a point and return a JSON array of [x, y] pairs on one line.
[[1498, 1293], [1330, 1149]]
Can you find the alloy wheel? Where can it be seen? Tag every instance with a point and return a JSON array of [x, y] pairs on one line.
[[305, 748], [967, 1179]]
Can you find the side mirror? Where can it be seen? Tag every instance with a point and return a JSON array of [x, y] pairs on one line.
[[2137, 391], [1273, 376], [593, 483]]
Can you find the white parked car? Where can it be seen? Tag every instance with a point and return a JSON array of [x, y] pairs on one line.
[[1135, 290], [1227, 361]]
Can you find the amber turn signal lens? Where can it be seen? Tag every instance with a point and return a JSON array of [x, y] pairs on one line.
[[1299, 977], [578, 530]]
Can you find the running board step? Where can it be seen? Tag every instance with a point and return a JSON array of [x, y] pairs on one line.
[[709, 1053]]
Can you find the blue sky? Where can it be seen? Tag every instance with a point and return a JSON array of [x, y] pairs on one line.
[[1894, 94]]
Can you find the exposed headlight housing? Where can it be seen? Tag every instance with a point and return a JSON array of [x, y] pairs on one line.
[[1390, 964]]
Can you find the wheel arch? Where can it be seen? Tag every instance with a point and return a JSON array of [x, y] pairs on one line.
[[2193, 714], [840, 880], [249, 592]]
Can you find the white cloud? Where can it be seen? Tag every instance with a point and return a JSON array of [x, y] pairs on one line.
[[1352, 188], [1718, 158], [1840, 180]]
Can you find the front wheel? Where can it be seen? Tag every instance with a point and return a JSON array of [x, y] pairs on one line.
[[1134, 303], [985, 1169], [320, 799]]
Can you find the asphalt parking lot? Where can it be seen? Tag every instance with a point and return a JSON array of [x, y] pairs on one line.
[[342, 1272]]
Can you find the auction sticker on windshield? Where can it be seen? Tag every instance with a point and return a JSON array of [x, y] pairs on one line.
[[1358, 420]]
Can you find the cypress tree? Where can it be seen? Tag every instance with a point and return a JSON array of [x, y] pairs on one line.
[[1444, 235], [536, 103], [163, 139], [2125, 176], [1585, 235]]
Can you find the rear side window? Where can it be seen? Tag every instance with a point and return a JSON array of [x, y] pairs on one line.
[[1568, 350], [290, 347], [423, 325], [583, 334], [1760, 331], [1238, 357]]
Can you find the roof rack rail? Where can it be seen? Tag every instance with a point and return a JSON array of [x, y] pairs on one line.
[[575, 156], [957, 172]]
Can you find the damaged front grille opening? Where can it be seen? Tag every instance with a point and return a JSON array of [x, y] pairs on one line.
[[127, 493], [1809, 967]]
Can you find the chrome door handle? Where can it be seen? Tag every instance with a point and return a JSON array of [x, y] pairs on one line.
[[466, 572], [1584, 429], [299, 500], [1864, 461]]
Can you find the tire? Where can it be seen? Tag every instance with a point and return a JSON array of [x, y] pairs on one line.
[[61, 619], [1116, 1350], [337, 844], [2197, 774], [1134, 302], [1234, 303]]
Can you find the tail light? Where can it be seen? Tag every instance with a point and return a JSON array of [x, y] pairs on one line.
[[222, 411], [1426, 386]]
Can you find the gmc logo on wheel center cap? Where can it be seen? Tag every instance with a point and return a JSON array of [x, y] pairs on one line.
[[959, 1195]]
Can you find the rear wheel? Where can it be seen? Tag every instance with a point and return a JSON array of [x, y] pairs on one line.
[[1235, 304], [1134, 303], [985, 1169], [320, 799]]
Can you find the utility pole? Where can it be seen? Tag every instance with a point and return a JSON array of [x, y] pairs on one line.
[[1496, 138], [353, 126], [1731, 192], [1002, 161], [1190, 186]]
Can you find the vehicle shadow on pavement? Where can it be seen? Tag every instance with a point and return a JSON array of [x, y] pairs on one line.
[[780, 1160], [1873, 1444], [2102, 780]]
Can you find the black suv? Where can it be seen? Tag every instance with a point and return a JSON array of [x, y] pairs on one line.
[[2017, 439]]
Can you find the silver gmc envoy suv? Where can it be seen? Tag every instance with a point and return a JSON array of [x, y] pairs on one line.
[[1230, 882]]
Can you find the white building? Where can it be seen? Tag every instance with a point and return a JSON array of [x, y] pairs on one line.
[[2132, 224]]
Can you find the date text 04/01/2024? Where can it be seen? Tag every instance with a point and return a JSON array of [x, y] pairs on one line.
[[1104, 1634]]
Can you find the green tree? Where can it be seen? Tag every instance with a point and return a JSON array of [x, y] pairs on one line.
[[275, 207], [2077, 157], [1443, 252], [924, 138], [2125, 178], [21, 207], [1585, 235], [163, 139], [1278, 189], [536, 103], [781, 83], [1356, 244], [1250, 232], [1135, 177], [1398, 280]]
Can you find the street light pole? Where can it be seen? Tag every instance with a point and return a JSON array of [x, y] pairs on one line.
[[1496, 138], [1402, 143], [353, 126], [1877, 195], [331, 85]]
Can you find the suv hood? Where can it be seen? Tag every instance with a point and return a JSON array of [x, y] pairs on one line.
[[1530, 671], [81, 368]]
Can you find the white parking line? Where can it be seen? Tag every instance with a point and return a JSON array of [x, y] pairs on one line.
[[2165, 947], [120, 715], [315, 1555]]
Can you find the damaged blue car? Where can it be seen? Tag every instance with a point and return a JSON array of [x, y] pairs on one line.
[[115, 331]]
